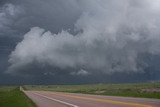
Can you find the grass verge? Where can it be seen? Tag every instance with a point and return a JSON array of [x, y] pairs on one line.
[[13, 97]]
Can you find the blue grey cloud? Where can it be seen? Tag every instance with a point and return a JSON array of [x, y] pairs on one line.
[[110, 37], [54, 39]]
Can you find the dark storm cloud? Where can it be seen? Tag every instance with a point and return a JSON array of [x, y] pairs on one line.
[[18, 16], [82, 38], [111, 37]]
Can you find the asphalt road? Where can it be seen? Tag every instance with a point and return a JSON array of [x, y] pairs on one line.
[[58, 99]]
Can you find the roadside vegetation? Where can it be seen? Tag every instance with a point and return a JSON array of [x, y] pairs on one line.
[[11, 96], [144, 90]]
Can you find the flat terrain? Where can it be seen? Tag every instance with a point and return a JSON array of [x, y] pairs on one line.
[[105, 95], [11, 96], [143, 90], [59, 99]]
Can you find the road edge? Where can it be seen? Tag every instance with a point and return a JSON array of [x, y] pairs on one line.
[[22, 90]]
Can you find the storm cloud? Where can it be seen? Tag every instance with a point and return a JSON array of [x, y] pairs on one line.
[[105, 36]]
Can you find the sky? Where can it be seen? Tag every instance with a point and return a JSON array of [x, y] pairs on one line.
[[79, 41]]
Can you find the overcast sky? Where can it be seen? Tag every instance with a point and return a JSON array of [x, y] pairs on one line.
[[79, 41]]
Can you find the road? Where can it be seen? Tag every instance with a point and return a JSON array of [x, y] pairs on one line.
[[58, 99]]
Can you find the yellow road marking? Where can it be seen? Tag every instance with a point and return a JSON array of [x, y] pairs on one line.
[[105, 100]]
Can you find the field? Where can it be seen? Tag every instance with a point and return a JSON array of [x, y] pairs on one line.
[[11, 96], [144, 90]]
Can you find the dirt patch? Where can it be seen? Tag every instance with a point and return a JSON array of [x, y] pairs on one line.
[[152, 90]]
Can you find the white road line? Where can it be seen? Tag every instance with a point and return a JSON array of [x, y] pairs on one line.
[[68, 104]]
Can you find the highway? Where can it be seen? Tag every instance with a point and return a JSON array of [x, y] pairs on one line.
[[59, 99]]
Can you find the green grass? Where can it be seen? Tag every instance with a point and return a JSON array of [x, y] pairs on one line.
[[145, 90], [13, 97]]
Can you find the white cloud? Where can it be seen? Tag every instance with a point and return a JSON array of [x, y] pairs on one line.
[[112, 34], [81, 72]]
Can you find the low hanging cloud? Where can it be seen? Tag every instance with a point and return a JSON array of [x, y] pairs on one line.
[[80, 72], [110, 36]]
